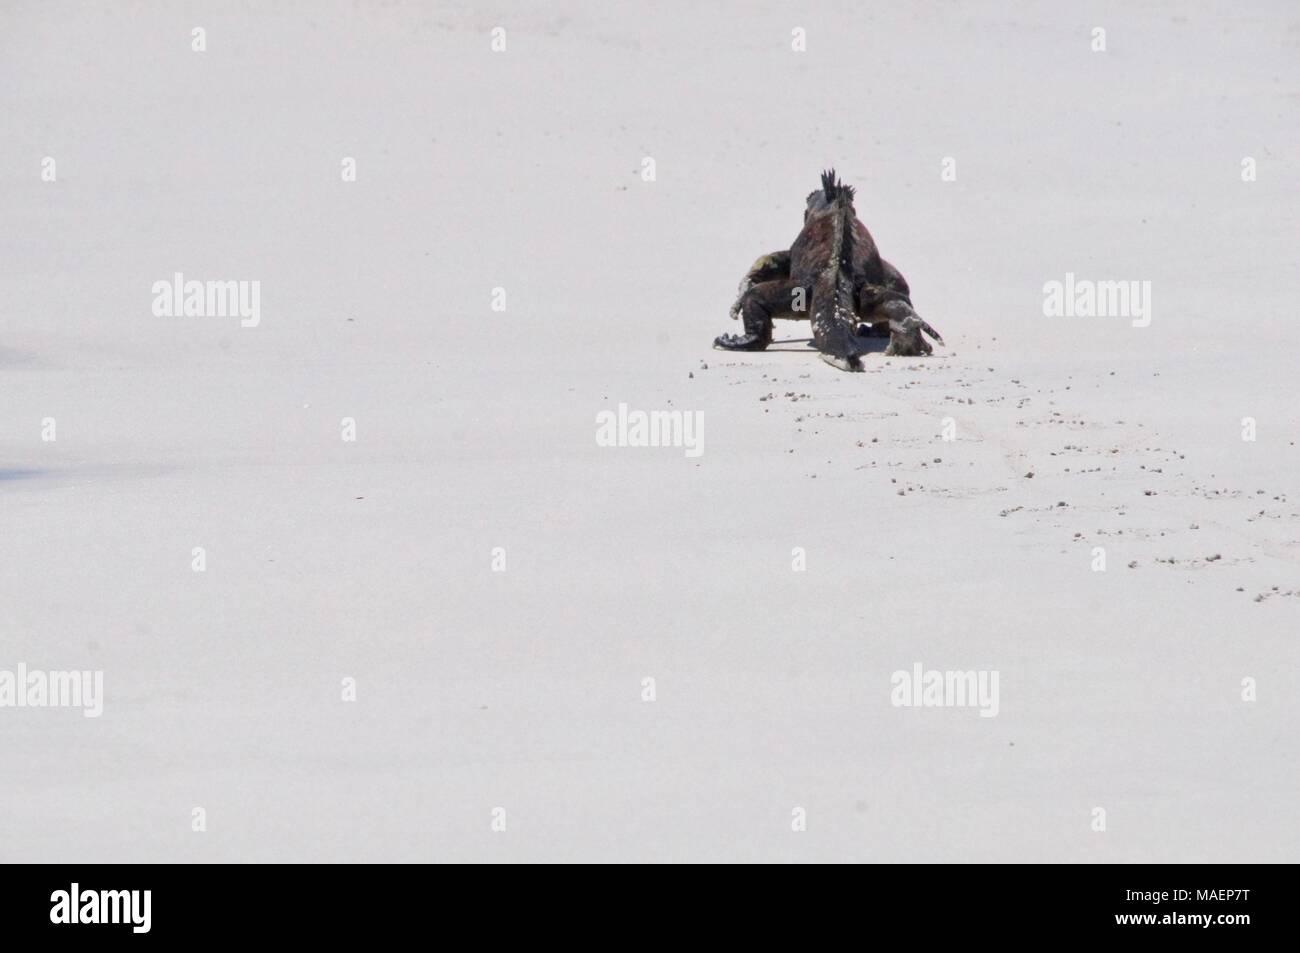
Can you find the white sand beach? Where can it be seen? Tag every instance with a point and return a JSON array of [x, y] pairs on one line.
[[499, 586]]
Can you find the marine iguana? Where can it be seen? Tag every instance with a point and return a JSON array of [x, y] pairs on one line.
[[833, 274]]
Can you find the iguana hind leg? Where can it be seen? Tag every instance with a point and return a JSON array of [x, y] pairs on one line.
[[770, 267], [887, 310], [758, 306], [907, 329]]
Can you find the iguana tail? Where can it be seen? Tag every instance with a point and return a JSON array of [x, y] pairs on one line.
[[834, 318]]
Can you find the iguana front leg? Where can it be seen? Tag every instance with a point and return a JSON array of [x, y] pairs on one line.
[[773, 267]]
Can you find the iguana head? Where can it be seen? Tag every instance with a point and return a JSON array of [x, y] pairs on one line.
[[821, 201]]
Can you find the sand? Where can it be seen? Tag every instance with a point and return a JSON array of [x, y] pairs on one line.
[[497, 585]]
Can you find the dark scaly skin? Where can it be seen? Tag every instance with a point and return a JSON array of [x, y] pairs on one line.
[[777, 283], [766, 292]]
